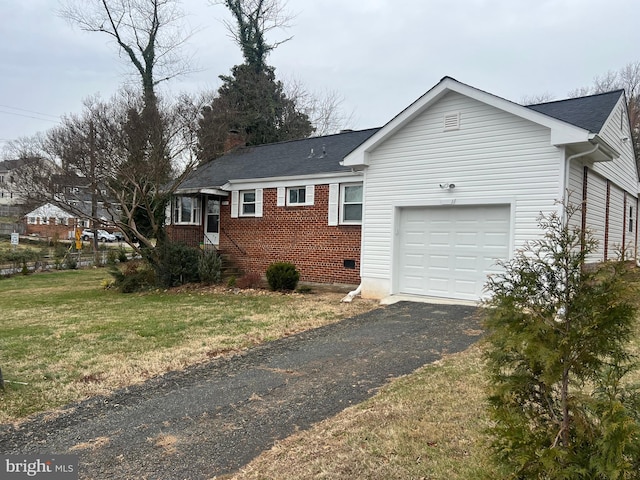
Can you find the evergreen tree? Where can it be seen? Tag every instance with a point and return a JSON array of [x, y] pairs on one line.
[[254, 104], [251, 101], [557, 358]]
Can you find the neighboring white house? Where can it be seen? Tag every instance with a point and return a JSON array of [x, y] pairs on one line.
[[459, 178], [49, 220]]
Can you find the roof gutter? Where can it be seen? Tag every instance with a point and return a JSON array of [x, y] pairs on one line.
[[605, 148]]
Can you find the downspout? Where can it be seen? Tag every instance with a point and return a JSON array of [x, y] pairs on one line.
[[351, 295]]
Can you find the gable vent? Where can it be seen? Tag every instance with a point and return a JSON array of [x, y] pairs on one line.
[[451, 121]]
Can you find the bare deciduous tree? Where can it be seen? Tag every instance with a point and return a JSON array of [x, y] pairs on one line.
[[535, 99], [97, 151], [147, 31], [324, 110]]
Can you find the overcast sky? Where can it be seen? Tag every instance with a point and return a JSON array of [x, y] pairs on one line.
[[378, 55]]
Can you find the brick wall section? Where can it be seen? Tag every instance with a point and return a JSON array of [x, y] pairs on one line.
[[299, 235], [49, 230], [191, 235]]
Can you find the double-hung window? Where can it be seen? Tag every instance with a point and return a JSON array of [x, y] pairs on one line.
[[351, 203], [186, 210], [248, 203], [297, 196]]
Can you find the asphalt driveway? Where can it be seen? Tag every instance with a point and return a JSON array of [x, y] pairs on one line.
[[214, 418]]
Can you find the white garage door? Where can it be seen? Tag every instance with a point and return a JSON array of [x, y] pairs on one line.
[[447, 251]]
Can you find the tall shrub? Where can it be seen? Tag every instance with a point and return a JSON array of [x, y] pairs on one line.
[[178, 264], [557, 358], [210, 267]]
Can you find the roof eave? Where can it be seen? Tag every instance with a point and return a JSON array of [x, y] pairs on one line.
[[328, 177], [201, 190]]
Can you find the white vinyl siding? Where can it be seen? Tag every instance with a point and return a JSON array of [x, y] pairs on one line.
[[619, 170], [494, 157], [617, 221], [596, 212], [573, 195]]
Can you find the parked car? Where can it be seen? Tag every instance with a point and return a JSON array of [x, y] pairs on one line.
[[103, 236]]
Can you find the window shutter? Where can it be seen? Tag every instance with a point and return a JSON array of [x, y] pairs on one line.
[[167, 212], [334, 190], [281, 196], [234, 203], [258, 202], [310, 191]]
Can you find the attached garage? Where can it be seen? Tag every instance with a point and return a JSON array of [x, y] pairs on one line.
[[447, 251], [459, 178]]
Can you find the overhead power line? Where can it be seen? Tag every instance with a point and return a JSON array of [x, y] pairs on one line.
[[29, 111], [30, 116]]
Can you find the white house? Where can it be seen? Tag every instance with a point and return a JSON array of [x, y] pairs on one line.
[[459, 178], [50, 220]]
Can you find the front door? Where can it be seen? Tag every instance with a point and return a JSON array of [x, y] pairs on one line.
[[212, 222]]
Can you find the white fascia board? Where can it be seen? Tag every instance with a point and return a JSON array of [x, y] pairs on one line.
[[204, 190], [562, 133], [292, 181], [214, 191]]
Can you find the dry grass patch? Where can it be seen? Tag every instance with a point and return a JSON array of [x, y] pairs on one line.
[[67, 338], [425, 425], [166, 443], [93, 444]]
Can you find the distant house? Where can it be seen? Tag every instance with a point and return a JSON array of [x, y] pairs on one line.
[[50, 221], [425, 205]]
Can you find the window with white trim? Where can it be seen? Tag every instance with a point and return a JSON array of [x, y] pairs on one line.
[[186, 210], [297, 196], [351, 203], [631, 219], [248, 203]]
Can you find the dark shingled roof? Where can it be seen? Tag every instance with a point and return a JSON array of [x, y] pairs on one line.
[[309, 156], [589, 112]]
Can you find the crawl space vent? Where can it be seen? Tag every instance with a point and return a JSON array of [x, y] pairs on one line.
[[451, 121]]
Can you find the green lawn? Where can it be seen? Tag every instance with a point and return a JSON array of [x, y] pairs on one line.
[[67, 337]]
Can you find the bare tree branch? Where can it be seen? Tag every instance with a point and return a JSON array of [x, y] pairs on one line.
[[149, 32], [253, 19]]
